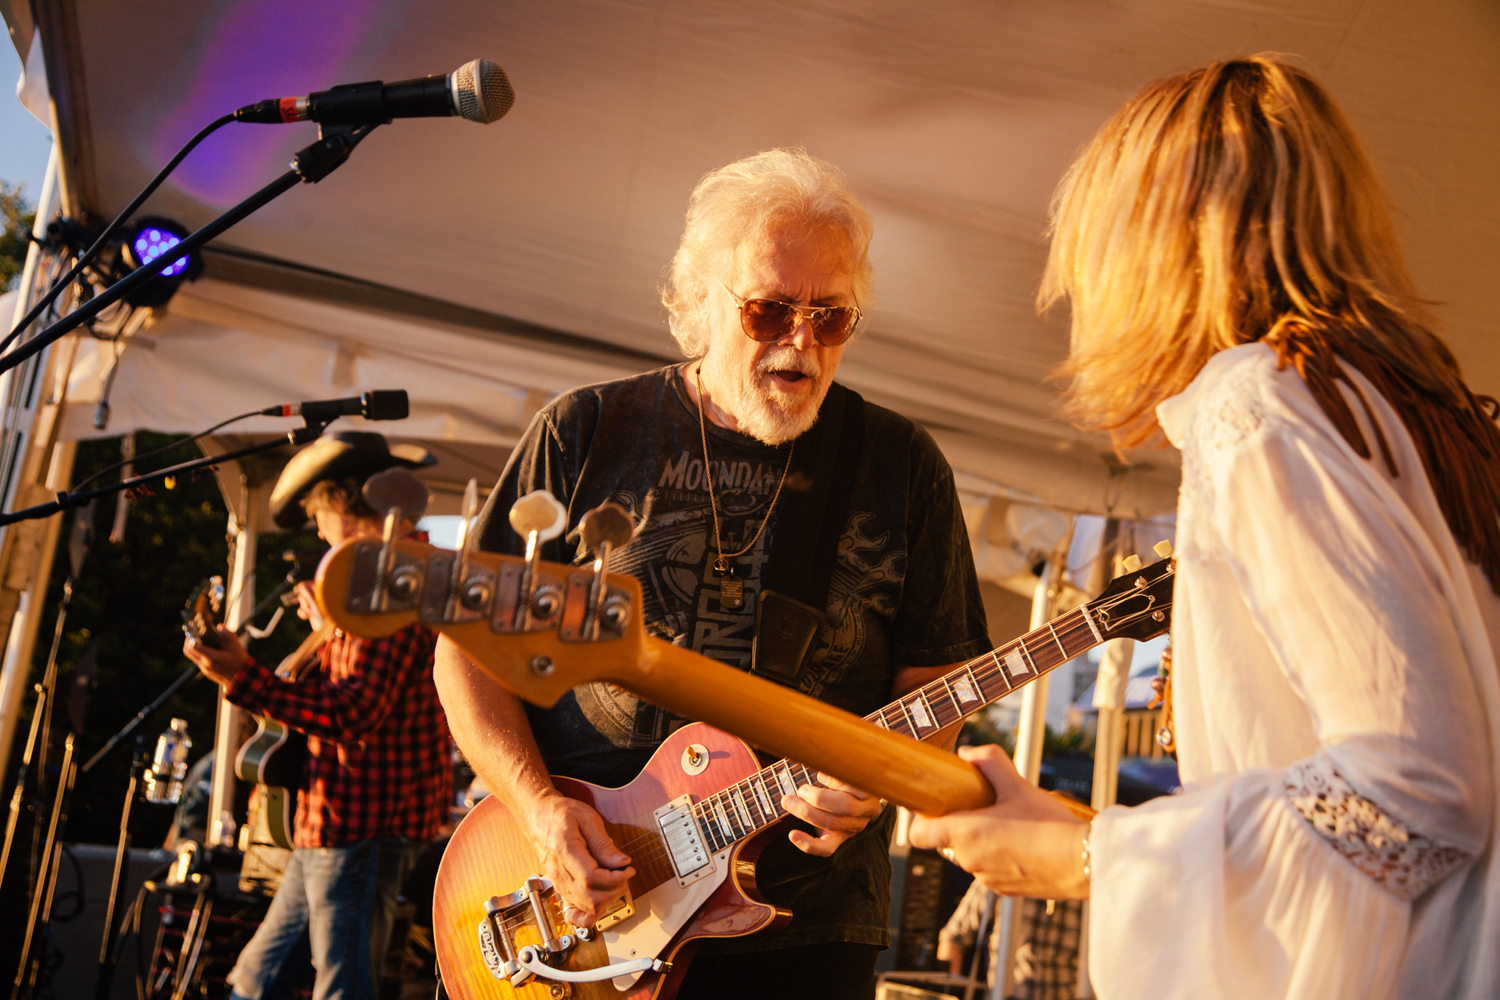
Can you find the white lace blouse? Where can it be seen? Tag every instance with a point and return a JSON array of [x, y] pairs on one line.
[[1338, 717]]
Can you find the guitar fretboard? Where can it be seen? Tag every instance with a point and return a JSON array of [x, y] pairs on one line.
[[748, 806]]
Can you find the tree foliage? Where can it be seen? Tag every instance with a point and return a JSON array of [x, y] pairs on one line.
[[16, 217], [127, 606]]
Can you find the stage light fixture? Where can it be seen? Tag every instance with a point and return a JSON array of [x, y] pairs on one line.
[[149, 238]]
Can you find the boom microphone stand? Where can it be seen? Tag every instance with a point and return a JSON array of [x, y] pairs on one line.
[[310, 165]]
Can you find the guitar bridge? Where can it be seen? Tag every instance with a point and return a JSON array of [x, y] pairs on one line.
[[679, 830]]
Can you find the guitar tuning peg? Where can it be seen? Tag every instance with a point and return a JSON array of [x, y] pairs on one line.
[[471, 500], [396, 489], [1163, 548], [1131, 563], [538, 513], [607, 524], [467, 514]]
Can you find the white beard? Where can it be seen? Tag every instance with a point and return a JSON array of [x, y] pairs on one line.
[[767, 414]]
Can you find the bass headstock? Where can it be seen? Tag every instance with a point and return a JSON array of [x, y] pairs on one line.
[[1137, 604], [522, 619]]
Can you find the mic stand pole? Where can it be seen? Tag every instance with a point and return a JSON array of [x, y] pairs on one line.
[[39, 917], [138, 764], [64, 501], [309, 166], [38, 742]]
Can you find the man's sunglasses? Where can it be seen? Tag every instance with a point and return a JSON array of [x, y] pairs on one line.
[[766, 321]]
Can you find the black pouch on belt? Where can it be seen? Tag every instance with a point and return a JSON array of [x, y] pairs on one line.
[[804, 546]]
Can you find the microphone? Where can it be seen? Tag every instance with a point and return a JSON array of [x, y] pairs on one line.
[[478, 91], [377, 404]]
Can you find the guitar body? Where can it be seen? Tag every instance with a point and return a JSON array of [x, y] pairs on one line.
[[490, 855], [274, 758]]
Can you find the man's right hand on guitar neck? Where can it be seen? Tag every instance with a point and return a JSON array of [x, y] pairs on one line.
[[586, 868]]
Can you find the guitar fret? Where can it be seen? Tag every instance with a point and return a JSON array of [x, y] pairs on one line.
[[757, 814], [920, 712], [1060, 646], [948, 690], [711, 832], [969, 689], [723, 819], [742, 811], [764, 796], [906, 720], [1014, 667], [784, 779], [938, 706]]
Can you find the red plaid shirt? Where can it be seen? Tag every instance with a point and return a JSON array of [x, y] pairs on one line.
[[378, 758]]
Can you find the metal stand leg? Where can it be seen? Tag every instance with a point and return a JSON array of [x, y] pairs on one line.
[[41, 900], [122, 870]]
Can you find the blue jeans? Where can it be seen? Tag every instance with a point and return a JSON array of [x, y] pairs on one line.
[[338, 901]]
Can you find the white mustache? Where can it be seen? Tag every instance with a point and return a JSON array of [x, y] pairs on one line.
[[788, 359]]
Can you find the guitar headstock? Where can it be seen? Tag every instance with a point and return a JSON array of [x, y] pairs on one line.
[[522, 619], [1138, 603], [200, 616]]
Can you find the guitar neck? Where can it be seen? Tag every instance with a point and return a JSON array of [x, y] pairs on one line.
[[749, 806]]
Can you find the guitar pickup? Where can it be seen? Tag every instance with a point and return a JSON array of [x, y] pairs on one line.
[[679, 829]]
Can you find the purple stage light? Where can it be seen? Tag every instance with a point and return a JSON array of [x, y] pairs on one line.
[[151, 242]]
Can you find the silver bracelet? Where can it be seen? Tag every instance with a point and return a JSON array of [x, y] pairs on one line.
[[1088, 870]]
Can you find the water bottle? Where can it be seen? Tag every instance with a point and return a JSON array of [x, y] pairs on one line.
[[169, 765]]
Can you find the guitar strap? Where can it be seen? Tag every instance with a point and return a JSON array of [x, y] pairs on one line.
[[804, 547]]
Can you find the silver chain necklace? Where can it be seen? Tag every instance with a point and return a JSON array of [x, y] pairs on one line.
[[731, 587]]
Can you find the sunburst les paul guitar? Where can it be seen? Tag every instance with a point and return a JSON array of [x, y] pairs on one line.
[[698, 815]]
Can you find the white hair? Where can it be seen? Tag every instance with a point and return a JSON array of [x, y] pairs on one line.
[[734, 208]]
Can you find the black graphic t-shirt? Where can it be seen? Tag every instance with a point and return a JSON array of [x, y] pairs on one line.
[[903, 594]]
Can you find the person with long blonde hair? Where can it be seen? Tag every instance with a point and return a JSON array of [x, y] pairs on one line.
[[1236, 285]]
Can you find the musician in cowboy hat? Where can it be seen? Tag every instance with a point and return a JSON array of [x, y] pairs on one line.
[[376, 782]]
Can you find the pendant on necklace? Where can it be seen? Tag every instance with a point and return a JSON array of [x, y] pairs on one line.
[[731, 587]]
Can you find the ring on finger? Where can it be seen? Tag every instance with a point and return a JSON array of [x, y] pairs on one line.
[[947, 852]]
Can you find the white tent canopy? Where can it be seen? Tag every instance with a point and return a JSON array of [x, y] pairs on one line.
[[486, 268]]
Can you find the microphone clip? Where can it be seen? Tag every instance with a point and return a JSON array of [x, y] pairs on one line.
[[335, 143]]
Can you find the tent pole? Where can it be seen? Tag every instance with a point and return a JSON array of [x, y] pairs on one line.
[[1109, 740], [23, 610], [241, 590], [1030, 731]]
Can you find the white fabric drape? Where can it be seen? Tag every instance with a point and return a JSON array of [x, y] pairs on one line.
[[1336, 700]]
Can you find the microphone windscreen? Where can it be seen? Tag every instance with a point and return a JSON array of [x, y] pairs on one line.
[[481, 92], [384, 404]]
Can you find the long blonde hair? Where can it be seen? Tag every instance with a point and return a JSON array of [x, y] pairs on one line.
[[1233, 204]]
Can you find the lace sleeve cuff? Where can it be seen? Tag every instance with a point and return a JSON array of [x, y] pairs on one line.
[[1400, 861]]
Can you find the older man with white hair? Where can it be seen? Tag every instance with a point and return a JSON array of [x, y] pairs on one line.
[[753, 475]]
